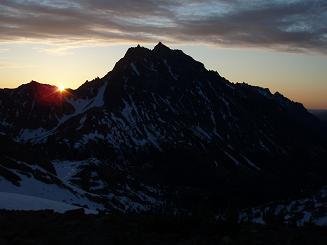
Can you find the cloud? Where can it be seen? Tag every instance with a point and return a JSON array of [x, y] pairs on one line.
[[293, 25], [11, 65], [3, 50]]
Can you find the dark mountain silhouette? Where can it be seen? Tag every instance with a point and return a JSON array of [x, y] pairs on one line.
[[158, 132]]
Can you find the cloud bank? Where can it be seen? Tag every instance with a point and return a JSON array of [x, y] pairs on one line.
[[293, 25]]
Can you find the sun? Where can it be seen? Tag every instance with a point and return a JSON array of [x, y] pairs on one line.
[[61, 88]]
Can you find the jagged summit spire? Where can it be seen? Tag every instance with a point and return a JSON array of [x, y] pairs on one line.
[[160, 46], [138, 50]]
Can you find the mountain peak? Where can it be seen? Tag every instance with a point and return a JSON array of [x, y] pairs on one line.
[[160, 123], [137, 51], [161, 47], [34, 85]]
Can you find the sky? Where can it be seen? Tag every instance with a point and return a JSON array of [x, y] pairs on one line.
[[281, 45]]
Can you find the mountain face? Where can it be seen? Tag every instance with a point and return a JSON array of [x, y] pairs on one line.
[[158, 132]]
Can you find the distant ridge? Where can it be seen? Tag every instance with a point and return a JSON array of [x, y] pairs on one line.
[[321, 114]]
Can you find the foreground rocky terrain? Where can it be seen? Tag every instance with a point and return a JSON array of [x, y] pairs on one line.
[[45, 227]]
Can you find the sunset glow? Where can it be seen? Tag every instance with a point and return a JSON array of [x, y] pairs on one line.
[[281, 50], [61, 88]]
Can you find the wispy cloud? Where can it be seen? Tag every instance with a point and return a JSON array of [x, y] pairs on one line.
[[293, 25], [4, 50], [11, 65]]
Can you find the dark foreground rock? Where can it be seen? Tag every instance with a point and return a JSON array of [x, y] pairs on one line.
[[46, 227]]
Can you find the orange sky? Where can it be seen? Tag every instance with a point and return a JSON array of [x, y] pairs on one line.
[[301, 77]]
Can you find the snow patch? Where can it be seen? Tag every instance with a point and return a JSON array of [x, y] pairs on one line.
[[29, 134], [60, 193], [14, 201], [135, 69], [170, 71]]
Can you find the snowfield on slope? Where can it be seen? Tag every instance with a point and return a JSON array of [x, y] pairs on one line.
[[14, 201]]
